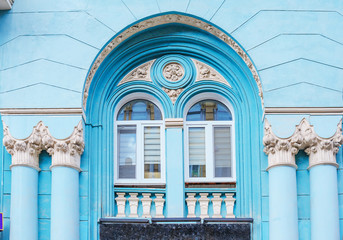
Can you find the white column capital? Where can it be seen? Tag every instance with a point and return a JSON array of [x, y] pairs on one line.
[[65, 152], [25, 152], [281, 151], [323, 150]]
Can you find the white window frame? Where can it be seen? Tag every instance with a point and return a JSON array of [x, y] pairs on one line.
[[209, 140], [140, 124]]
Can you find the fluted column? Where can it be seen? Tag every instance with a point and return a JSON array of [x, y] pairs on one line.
[[24, 183], [283, 210], [65, 169], [323, 183]]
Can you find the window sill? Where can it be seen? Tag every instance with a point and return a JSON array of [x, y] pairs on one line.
[[210, 185], [140, 185]]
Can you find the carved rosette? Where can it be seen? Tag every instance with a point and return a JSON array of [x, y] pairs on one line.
[[324, 150], [280, 151], [25, 152], [173, 72], [65, 152], [173, 94]]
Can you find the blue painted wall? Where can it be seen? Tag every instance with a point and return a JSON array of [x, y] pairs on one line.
[[47, 47]]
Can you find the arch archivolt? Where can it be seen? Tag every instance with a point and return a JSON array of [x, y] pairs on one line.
[[160, 20]]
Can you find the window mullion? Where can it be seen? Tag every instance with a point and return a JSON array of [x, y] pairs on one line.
[[209, 151], [140, 158]]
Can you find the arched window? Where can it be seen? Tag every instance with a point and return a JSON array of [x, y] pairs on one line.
[[209, 140], [140, 139]]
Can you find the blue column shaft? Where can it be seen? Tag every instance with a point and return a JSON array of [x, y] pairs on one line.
[[283, 209], [175, 196], [324, 202], [24, 204], [64, 204]]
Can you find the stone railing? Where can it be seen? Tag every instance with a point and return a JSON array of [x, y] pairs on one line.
[[210, 204], [139, 204]]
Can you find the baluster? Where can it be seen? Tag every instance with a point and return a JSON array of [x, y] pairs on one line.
[[203, 200], [121, 200], [133, 201], [217, 204], [159, 204], [146, 203], [191, 201], [230, 203]]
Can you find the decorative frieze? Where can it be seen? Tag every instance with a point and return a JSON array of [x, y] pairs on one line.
[[65, 152], [282, 151], [25, 152]]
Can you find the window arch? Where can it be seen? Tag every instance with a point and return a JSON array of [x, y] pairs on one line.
[[139, 141], [209, 139]]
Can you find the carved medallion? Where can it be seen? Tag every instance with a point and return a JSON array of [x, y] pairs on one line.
[[173, 72]]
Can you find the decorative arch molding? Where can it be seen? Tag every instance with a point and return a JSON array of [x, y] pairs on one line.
[[167, 19]]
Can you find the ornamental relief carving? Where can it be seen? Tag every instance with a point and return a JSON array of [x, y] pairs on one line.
[[141, 72], [64, 152], [164, 19], [205, 72], [282, 151], [173, 72], [173, 94]]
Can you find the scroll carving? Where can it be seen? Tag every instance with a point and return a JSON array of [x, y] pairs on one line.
[[281, 151]]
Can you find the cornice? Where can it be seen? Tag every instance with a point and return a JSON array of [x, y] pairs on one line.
[[281, 151], [165, 19]]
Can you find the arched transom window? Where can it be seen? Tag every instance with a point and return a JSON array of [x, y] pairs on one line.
[[139, 134], [209, 143]]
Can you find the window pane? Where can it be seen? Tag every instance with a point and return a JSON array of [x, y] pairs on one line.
[[152, 152], [197, 154], [222, 152], [127, 151], [209, 110], [139, 110]]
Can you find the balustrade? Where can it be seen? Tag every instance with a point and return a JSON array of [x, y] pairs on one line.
[[139, 204], [210, 205]]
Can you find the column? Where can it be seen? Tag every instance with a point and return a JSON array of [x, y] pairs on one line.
[[65, 170], [175, 196], [323, 184], [283, 210], [24, 188]]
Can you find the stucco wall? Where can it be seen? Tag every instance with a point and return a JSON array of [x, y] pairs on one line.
[[47, 47]]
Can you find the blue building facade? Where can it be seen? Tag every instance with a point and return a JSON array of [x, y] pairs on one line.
[[145, 111]]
